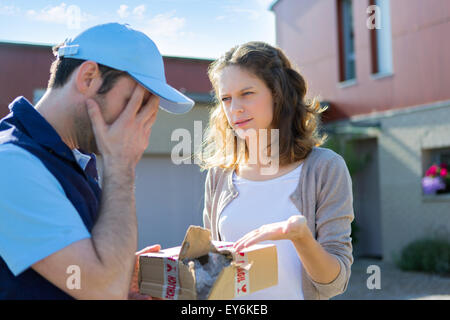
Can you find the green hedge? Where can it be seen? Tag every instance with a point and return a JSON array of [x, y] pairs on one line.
[[428, 255]]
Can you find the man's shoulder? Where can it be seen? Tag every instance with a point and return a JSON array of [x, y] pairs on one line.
[[12, 149], [11, 155], [17, 163]]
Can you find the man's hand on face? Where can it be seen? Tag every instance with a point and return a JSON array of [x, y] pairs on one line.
[[122, 143]]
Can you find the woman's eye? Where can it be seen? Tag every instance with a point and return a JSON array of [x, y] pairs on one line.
[[247, 93], [225, 99]]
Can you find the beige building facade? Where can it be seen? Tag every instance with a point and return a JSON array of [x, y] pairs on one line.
[[169, 194], [391, 209]]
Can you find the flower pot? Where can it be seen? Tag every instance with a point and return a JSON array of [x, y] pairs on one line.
[[431, 185]]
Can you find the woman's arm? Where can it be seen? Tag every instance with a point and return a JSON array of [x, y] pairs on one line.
[[321, 266], [327, 255]]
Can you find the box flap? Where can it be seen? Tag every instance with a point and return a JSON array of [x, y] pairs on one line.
[[196, 243], [223, 288]]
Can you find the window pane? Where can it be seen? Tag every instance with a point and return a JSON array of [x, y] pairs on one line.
[[348, 39], [384, 38]]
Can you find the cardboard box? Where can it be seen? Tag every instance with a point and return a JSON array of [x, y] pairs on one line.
[[201, 268]]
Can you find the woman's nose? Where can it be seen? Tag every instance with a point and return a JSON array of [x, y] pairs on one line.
[[236, 107]]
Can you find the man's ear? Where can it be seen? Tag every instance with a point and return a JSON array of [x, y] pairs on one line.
[[88, 78]]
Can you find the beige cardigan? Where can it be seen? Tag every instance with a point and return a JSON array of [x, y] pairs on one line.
[[323, 195]]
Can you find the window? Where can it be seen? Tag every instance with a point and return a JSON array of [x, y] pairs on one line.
[[381, 39], [437, 156], [440, 158], [346, 40]]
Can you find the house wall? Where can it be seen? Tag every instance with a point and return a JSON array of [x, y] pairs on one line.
[[307, 31], [26, 67], [391, 195], [169, 196], [23, 68], [166, 124], [405, 213], [366, 202]]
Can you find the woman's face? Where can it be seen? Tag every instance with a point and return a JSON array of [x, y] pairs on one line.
[[246, 100]]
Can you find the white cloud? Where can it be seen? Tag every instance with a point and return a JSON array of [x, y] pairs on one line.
[[252, 14], [234, 10], [71, 16], [139, 11], [123, 11], [9, 10], [165, 25]]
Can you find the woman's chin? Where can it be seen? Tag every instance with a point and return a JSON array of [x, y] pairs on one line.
[[246, 132]]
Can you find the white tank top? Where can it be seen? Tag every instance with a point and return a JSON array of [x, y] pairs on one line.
[[260, 203]]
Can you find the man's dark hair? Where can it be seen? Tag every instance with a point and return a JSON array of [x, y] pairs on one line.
[[62, 68]]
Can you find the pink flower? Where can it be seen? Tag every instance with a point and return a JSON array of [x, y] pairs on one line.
[[444, 172], [432, 171]]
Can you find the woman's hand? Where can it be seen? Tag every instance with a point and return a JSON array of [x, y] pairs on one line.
[[294, 229], [134, 287]]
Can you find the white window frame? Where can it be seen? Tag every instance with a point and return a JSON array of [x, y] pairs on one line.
[[384, 40]]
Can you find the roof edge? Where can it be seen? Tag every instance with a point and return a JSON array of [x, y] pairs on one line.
[[49, 45], [26, 44], [273, 4]]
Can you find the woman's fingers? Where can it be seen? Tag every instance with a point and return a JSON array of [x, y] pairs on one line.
[[246, 237], [272, 231], [254, 238]]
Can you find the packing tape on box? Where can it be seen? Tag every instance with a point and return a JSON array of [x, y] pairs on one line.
[[171, 281], [242, 278], [242, 275]]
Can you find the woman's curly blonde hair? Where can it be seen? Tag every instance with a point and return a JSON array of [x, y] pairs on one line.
[[298, 120]]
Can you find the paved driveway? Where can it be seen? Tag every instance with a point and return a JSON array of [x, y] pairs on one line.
[[395, 284]]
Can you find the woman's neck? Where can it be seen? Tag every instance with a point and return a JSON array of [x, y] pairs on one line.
[[256, 171]]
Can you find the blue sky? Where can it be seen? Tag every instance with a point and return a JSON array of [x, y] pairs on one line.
[[190, 28]]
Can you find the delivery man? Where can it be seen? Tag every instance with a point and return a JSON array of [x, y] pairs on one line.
[[55, 221]]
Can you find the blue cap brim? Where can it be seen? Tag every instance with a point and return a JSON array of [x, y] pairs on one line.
[[171, 100]]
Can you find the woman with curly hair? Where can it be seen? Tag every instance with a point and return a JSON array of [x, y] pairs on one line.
[[268, 178]]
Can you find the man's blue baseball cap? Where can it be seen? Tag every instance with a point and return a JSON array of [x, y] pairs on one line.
[[120, 47]]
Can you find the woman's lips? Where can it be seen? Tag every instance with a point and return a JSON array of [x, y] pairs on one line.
[[243, 123]]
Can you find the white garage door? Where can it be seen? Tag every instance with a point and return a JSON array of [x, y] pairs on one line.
[[169, 198]]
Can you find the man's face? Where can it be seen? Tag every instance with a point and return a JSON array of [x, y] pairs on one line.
[[112, 104]]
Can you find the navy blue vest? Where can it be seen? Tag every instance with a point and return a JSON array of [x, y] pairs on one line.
[[26, 128]]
